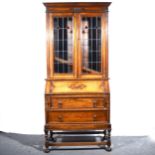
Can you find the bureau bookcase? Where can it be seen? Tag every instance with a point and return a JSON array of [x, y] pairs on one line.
[[77, 97]]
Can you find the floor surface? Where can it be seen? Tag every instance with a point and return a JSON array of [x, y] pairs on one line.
[[21, 144]]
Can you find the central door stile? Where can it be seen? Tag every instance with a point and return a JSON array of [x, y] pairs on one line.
[[78, 30], [76, 43]]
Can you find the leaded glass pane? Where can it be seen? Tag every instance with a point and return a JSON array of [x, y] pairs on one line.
[[91, 45], [63, 44]]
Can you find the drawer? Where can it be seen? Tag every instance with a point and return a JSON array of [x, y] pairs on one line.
[[76, 103], [77, 116], [78, 126]]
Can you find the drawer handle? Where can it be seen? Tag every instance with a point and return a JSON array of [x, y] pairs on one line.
[[94, 117], [60, 118], [94, 103], [59, 104]]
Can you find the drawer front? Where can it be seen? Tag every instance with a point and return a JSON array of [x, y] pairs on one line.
[[77, 116], [78, 126], [76, 103]]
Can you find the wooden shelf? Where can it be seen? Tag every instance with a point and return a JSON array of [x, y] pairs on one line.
[[76, 143]]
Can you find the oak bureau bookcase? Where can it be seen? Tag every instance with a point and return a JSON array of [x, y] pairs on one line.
[[77, 97]]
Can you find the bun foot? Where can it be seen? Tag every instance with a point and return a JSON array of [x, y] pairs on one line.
[[108, 148], [46, 150]]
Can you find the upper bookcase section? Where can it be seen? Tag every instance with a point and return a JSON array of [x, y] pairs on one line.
[[77, 7]]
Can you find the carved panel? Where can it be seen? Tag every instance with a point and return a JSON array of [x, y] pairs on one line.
[[77, 86]]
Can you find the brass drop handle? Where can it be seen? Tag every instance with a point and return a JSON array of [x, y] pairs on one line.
[[94, 103], [59, 104], [60, 118], [94, 117]]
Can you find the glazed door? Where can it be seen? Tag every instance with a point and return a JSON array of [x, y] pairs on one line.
[[91, 45], [62, 45], [77, 45]]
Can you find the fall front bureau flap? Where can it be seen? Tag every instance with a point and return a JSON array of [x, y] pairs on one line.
[[62, 87]]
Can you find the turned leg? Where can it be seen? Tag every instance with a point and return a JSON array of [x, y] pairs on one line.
[[104, 133], [51, 136], [108, 139], [46, 149]]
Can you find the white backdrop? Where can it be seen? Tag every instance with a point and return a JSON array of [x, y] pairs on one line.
[[23, 66]]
